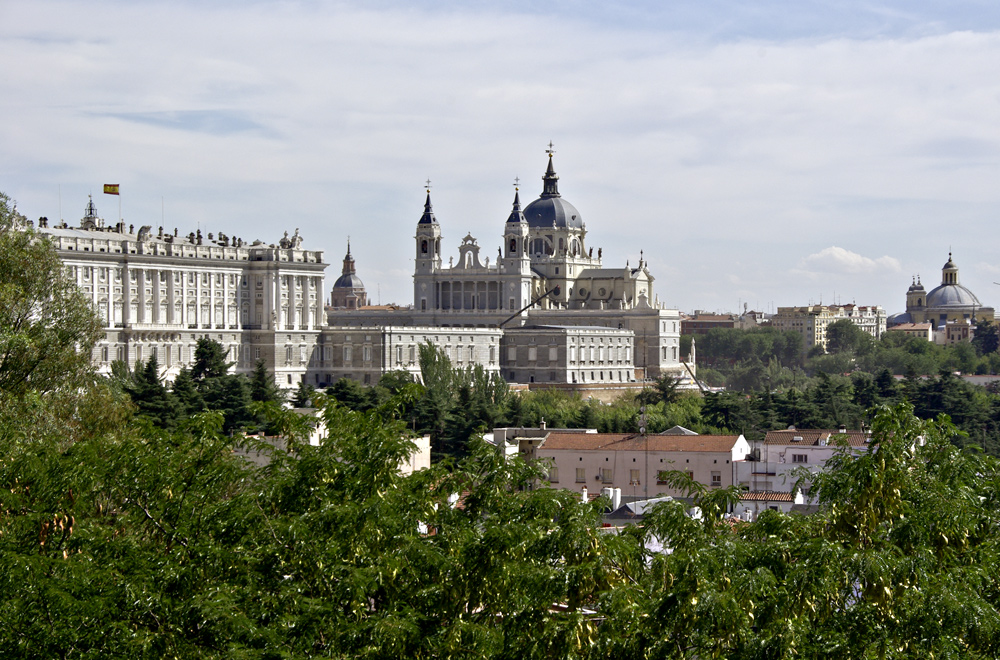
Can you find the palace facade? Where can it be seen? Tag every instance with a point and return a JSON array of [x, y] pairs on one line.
[[157, 293], [547, 310]]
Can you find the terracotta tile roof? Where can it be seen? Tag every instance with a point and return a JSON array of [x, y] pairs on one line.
[[636, 442], [912, 326], [754, 496], [812, 437]]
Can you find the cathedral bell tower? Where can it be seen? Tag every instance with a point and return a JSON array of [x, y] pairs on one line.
[[427, 262], [428, 240], [515, 239]]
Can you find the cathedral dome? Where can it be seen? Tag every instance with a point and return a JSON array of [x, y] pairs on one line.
[[348, 281], [349, 276], [552, 212], [952, 295], [550, 209]]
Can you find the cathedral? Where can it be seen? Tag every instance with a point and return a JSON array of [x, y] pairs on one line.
[[544, 264], [545, 281], [950, 302]]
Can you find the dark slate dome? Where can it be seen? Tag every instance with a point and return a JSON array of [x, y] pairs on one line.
[[550, 209], [349, 278], [348, 281], [552, 212]]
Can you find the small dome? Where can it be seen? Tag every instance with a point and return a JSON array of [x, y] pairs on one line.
[[952, 295], [896, 319], [348, 281]]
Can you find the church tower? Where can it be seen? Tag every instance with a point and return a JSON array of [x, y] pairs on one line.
[[515, 239], [427, 262], [916, 298], [428, 257]]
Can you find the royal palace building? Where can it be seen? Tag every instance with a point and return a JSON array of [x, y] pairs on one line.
[[157, 293]]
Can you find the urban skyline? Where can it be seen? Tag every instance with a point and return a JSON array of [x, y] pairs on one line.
[[779, 156]]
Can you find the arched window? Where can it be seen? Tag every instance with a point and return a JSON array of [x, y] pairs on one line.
[[423, 247], [513, 245]]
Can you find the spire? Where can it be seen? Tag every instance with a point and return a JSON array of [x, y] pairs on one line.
[[349, 268], [428, 217], [550, 182], [515, 214]]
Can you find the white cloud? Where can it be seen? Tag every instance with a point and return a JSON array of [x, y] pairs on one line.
[[837, 260], [712, 155]]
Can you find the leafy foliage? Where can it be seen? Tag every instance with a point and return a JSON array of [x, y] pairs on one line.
[[119, 538], [47, 326]]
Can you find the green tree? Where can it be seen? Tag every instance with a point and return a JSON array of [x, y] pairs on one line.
[[209, 360], [894, 566], [987, 337], [263, 389], [664, 390], [303, 396], [229, 395], [47, 327], [434, 409], [350, 393], [185, 391], [151, 397], [844, 336]]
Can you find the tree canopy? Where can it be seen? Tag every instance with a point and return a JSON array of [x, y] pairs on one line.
[[47, 327]]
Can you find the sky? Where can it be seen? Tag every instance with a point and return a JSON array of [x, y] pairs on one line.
[[764, 154]]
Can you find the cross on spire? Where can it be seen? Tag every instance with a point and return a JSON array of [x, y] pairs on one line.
[[428, 184], [550, 150], [517, 180]]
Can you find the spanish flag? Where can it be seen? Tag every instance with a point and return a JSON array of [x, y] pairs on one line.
[[110, 188]]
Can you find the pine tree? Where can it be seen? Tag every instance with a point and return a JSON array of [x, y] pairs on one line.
[[185, 391], [262, 385], [209, 360], [150, 395], [303, 396], [230, 395]]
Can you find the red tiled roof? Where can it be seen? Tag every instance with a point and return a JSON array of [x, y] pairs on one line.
[[636, 442], [811, 437]]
